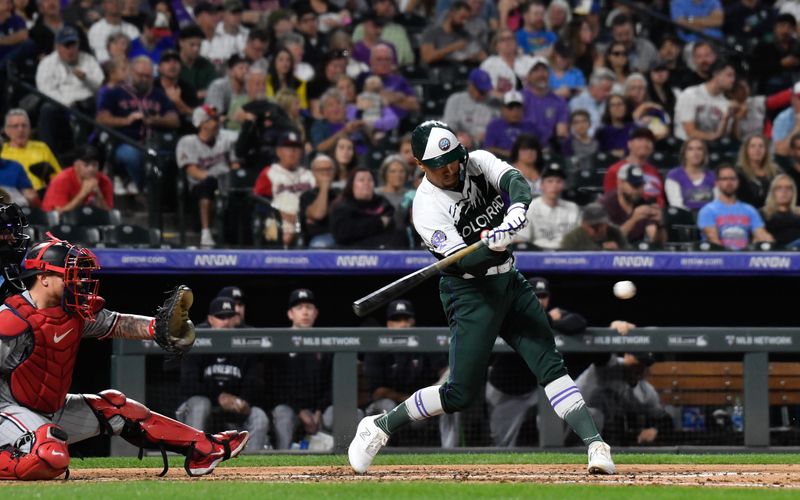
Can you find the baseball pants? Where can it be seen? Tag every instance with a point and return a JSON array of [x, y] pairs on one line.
[[507, 412], [196, 412], [448, 423]]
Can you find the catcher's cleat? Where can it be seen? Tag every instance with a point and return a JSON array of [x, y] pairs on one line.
[[600, 461], [368, 441], [226, 445]]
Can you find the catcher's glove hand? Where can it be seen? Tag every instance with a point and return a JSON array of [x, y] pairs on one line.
[[172, 328]]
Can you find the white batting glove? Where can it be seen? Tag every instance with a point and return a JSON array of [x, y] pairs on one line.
[[516, 218], [498, 239]]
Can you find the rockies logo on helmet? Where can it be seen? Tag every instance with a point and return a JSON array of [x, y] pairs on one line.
[[435, 145]]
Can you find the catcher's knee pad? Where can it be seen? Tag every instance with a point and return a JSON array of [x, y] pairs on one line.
[[48, 456]]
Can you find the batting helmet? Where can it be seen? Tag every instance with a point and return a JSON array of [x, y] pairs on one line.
[[75, 264], [435, 145]]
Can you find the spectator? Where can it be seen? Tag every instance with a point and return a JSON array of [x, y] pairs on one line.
[[641, 51], [557, 16], [776, 62], [206, 157], [111, 23], [612, 137], [565, 79], [728, 222], [47, 25], [549, 216], [793, 169], [703, 58], [595, 232], [333, 67], [617, 60], [593, 98], [230, 37], [330, 15], [786, 124], [34, 156], [527, 157], [265, 122], [286, 99], [315, 204], [207, 15], [625, 406], [705, 16], [781, 214], [180, 92], [638, 218], [342, 42], [71, 78], [255, 84], [544, 108], [196, 70], [335, 124], [640, 147], [644, 112], [361, 218], [281, 76], [748, 19], [394, 33], [117, 72], [372, 30], [284, 182], [229, 384], [534, 37], [756, 170], [303, 71], [79, 185], [13, 34], [397, 92], [137, 110], [308, 26], [378, 118], [690, 185], [580, 35], [670, 52], [394, 176], [223, 90], [449, 42], [750, 112], [507, 68], [344, 159], [132, 13], [255, 48], [504, 130], [661, 92], [156, 37], [702, 111], [235, 294], [118, 46], [580, 147], [469, 110]]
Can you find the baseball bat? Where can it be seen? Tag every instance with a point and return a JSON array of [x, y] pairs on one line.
[[376, 299]]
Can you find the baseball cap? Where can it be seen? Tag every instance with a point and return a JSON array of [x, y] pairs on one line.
[[232, 292], [642, 133], [373, 16], [290, 139], [785, 17], [645, 358], [301, 296], [88, 154], [540, 286], [236, 59], [632, 174], [399, 308], [232, 6], [205, 7], [67, 35], [554, 170], [595, 213], [512, 97], [537, 61], [222, 307], [481, 80], [169, 55], [191, 31], [202, 114]]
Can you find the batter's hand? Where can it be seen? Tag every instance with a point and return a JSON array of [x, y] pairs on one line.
[[516, 218], [498, 238]]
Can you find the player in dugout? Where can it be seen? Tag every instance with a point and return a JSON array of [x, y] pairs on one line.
[[41, 329], [466, 198]]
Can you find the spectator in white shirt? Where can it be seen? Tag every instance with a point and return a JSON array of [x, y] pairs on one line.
[[702, 112], [230, 36], [550, 217], [110, 24], [507, 68], [70, 77]]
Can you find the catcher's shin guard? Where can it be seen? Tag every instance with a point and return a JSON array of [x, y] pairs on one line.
[[48, 457], [148, 429]]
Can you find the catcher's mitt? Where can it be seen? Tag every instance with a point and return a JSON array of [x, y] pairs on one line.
[[172, 328]]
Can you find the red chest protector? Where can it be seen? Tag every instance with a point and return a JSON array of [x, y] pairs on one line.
[[42, 380]]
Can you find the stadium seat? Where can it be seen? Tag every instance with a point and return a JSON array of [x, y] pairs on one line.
[[682, 231], [91, 216], [127, 235], [85, 235], [604, 160], [38, 217]]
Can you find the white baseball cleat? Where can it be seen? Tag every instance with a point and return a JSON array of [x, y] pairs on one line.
[[600, 461], [368, 441]]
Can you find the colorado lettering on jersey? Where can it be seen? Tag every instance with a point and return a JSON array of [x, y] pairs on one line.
[[485, 220]]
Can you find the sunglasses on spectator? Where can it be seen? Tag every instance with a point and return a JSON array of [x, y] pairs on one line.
[[727, 178], [618, 53]]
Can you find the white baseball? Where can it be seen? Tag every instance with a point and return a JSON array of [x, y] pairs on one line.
[[624, 290]]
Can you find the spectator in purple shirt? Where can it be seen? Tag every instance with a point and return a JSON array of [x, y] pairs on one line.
[[373, 28], [335, 124], [691, 185], [546, 110], [612, 136], [397, 92], [503, 131]]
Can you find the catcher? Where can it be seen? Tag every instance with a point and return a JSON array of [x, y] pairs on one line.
[[40, 332]]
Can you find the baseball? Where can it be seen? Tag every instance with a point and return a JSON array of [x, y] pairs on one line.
[[624, 290]]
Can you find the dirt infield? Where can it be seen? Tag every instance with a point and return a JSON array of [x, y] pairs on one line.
[[765, 476]]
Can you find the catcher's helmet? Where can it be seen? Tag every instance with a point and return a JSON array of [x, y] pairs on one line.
[[435, 145], [75, 264]]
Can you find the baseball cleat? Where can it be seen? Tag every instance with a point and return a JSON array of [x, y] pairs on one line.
[[600, 461], [368, 441], [227, 445]]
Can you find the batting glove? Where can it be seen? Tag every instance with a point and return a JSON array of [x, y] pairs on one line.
[[498, 239], [516, 218]]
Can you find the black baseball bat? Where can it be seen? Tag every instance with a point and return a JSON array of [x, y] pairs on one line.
[[376, 299]]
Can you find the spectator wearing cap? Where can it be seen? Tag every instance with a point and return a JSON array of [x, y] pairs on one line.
[[156, 37], [565, 79], [449, 42], [507, 67], [580, 147], [79, 185], [702, 111], [136, 109], [502, 131], [638, 218], [111, 24], [544, 108], [196, 70], [469, 110], [534, 37], [180, 92], [595, 232], [235, 294], [397, 92], [223, 90], [284, 182], [394, 33], [47, 25], [206, 157], [549, 216], [776, 61], [640, 146], [593, 98], [35, 156], [786, 124], [72, 78], [372, 30], [230, 37], [229, 387], [334, 124]]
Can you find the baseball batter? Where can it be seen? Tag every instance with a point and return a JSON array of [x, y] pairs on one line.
[[40, 332], [462, 199]]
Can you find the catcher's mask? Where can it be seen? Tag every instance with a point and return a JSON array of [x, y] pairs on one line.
[[75, 264], [13, 242]]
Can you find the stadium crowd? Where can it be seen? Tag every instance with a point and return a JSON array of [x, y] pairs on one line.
[[637, 124]]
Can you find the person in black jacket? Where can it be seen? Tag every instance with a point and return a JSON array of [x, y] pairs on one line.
[[228, 386], [361, 218]]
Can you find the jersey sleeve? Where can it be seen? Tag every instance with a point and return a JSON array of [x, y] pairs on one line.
[[102, 326], [186, 153], [492, 166], [436, 227]]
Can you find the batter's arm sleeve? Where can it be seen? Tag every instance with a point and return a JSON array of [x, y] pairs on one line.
[[513, 183]]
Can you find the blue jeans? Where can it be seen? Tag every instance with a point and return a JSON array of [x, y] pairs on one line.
[[132, 161]]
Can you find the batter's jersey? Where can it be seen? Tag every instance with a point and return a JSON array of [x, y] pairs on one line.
[[448, 220]]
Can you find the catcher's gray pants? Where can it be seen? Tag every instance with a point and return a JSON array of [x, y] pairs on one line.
[[449, 423], [196, 412], [507, 413], [17, 423]]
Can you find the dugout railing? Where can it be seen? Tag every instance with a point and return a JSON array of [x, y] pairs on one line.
[[754, 345]]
